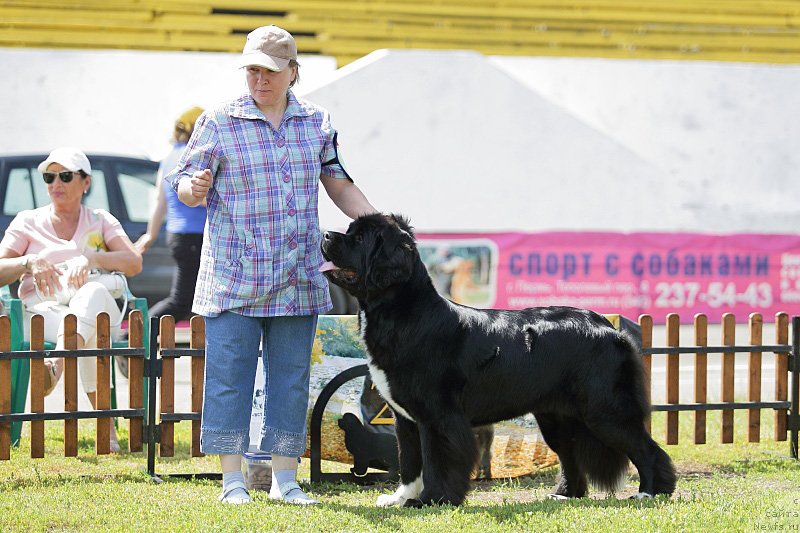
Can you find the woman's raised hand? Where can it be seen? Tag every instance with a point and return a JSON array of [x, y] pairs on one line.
[[193, 191]]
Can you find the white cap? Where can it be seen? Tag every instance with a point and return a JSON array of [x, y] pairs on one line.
[[68, 157], [270, 47]]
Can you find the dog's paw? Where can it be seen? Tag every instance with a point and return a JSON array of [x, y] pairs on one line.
[[401, 495], [390, 500], [414, 503], [558, 497], [642, 496]]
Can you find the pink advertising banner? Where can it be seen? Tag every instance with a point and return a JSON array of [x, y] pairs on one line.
[[625, 273]]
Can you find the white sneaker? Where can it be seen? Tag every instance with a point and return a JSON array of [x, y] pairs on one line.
[[290, 492]]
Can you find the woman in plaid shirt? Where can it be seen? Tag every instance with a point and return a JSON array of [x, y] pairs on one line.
[[258, 161]]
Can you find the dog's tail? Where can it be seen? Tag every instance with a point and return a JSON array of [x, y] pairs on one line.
[[628, 410], [605, 467]]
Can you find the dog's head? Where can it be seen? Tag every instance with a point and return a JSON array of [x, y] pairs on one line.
[[377, 252]]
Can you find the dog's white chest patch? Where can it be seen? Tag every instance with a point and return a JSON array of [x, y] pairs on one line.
[[378, 376], [382, 384]]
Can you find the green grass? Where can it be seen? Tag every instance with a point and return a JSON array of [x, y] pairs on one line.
[[732, 487]]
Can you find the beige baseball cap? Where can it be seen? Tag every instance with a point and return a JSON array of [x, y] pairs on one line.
[[270, 47], [68, 157]]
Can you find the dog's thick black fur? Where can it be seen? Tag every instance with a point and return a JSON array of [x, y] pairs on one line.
[[444, 368]]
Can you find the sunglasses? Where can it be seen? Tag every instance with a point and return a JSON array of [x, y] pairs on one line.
[[64, 175]]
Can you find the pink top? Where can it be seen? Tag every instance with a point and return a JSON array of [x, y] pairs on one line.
[[32, 232]]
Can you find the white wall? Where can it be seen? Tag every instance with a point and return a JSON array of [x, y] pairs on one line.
[[460, 141], [115, 101], [727, 133]]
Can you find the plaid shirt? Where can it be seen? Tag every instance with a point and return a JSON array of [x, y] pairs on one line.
[[261, 245]]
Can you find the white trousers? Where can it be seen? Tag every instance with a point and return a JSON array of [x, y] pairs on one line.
[[90, 300]]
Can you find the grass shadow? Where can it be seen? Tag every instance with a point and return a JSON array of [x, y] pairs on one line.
[[394, 517], [764, 463]]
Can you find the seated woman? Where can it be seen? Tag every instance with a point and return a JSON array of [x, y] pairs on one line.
[[67, 238]]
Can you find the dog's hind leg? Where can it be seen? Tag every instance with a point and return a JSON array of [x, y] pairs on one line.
[[449, 451], [410, 457], [656, 472], [558, 434], [660, 472]]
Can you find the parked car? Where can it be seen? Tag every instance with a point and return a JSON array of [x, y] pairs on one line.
[[124, 186]]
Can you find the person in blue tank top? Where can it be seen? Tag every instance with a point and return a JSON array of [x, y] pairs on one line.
[[184, 228]]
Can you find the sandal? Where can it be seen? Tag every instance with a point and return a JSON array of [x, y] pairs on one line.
[[290, 492], [227, 497]]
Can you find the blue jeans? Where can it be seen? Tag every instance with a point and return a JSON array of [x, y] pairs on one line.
[[232, 343]]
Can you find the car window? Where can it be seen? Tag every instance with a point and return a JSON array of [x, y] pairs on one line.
[[98, 195], [19, 195], [40, 195], [137, 185]]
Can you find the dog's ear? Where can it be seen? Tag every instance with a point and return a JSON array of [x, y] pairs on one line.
[[391, 259], [404, 224]]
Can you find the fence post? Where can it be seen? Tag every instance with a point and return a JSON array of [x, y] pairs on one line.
[[646, 324], [70, 386], [103, 392], [197, 341], [795, 420], [728, 371], [673, 375], [167, 341], [754, 379], [781, 375], [152, 372], [700, 376], [37, 387], [135, 380], [5, 388]]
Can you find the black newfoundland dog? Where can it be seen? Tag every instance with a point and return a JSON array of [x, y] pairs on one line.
[[444, 368]]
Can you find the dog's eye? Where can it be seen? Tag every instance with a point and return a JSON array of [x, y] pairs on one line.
[[359, 238]]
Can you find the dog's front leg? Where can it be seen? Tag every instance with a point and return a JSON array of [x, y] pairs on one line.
[[410, 456], [449, 452]]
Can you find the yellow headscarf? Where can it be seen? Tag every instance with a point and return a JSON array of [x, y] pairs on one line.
[[188, 118]]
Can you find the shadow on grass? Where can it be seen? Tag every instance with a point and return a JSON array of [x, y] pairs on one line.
[[61, 479], [499, 511], [543, 478], [765, 463], [182, 451], [393, 517]]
